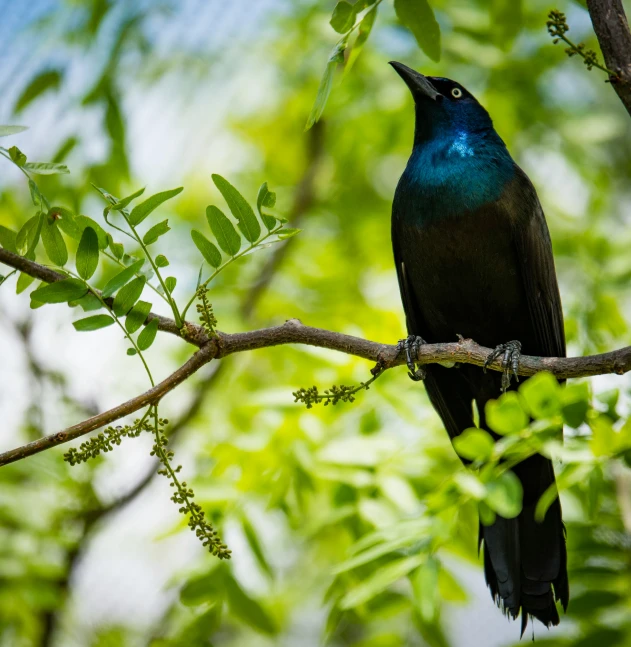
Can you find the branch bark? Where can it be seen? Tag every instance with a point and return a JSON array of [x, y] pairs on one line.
[[612, 29], [465, 351]]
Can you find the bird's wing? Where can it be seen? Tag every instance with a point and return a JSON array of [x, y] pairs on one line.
[[536, 266], [447, 389]]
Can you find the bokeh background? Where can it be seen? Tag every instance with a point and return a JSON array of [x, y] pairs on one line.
[[162, 94]]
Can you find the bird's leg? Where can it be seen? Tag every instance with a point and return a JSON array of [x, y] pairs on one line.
[[411, 345], [510, 362]]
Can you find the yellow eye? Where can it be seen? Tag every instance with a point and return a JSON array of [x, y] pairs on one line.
[[456, 92]]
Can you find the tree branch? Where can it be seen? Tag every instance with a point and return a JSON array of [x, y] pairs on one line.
[[201, 357], [386, 356], [612, 29]]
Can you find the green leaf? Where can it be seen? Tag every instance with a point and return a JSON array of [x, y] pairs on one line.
[[162, 261], [142, 210], [46, 168], [419, 18], [137, 316], [288, 233], [474, 444], [24, 280], [117, 249], [203, 588], [425, 588], [120, 279], [575, 403], [127, 296], [87, 302], [365, 27], [505, 415], [93, 323], [48, 80], [266, 198], [255, 546], [28, 236], [121, 204], [324, 89], [17, 156], [247, 609], [542, 395], [380, 580], [60, 291], [504, 495], [146, 337], [155, 232], [54, 243], [36, 196], [131, 351], [6, 131], [223, 230], [74, 226], [87, 254], [241, 210], [210, 253], [8, 239], [170, 283], [343, 17]]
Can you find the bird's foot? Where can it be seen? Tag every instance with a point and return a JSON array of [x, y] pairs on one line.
[[510, 362], [411, 345]]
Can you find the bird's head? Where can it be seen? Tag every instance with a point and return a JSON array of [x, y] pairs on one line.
[[444, 109]]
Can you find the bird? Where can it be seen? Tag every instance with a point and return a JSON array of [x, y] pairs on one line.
[[473, 258]]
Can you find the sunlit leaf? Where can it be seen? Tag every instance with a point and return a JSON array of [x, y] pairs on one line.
[[506, 415], [6, 131], [326, 83], [240, 208], [223, 230], [142, 210], [474, 444]]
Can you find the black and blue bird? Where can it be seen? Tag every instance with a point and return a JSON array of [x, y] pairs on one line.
[[474, 258]]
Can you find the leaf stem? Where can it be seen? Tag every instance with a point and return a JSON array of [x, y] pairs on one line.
[[230, 260]]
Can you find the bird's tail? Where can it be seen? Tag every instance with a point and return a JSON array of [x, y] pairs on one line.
[[525, 560]]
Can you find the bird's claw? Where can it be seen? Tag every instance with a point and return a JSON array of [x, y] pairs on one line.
[[510, 362], [410, 345]]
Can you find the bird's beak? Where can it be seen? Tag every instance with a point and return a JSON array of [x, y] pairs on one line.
[[418, 84]]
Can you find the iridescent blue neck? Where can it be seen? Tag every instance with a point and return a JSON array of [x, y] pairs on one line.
[[456, 171]]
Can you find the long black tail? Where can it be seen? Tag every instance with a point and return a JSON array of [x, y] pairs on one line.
[[525, 560]]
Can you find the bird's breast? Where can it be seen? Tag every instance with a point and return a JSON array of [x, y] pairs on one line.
[[463, 274]]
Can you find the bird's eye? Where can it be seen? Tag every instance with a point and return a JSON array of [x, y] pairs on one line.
[[456, 92]]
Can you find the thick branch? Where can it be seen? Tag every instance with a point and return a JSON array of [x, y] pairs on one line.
[[387, 356], [612, 29], [192, 333]]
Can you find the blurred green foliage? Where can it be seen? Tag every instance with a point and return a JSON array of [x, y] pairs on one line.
[[358, 517]]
